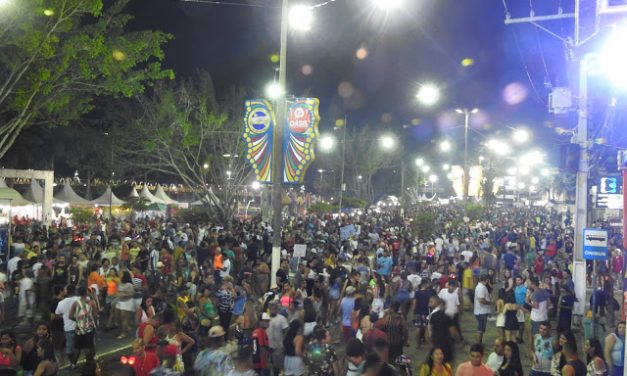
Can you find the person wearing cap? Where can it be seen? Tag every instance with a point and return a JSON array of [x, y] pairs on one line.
[[215, 359], [355, 352], [261, 346], [347, 306]]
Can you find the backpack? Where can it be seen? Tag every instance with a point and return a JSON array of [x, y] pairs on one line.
[[84, 320]]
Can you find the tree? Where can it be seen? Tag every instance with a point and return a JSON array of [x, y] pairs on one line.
[[363, 157], [56, 56], [184, 131]]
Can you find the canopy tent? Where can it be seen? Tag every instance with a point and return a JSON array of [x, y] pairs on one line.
[[108, 198], [35, 193], [68, 196], [161, 195], [145, 193], [133, 194], [10, 195]]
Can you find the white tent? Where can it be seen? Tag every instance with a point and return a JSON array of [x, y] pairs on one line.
[[35, 193], [145, 193], [12, 196], [67, 195], [161, 195], [108, 198], [133, 193]]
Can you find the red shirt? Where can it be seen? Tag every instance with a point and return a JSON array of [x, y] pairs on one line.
[[144, 364], [261, 345]]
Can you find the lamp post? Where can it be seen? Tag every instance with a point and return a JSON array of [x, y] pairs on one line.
[[277, 150], [465, 182]]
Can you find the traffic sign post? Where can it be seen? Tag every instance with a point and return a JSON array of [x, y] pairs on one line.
[[594, 248], [594, 244]]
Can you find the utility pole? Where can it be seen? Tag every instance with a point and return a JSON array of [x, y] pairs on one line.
[[277, 150], [587, 24]]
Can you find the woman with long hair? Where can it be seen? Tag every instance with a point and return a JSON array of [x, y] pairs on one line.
[[293, 345], [435, 364], [145, 310], [594, 357], [206, 311], [615, 350], [380, 292], [309, 317], [245, 323], [31, 356], [125, 304], [559, 359], [10, 353], [511, 365]]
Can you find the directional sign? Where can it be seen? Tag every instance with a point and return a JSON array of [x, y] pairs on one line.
[[610, 201], [609, 184], [594, 244]]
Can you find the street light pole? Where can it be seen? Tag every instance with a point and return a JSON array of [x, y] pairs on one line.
[[277, 150], [466, 179], [343, 162]]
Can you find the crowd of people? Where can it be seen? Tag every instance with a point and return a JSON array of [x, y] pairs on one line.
[[197, 299]]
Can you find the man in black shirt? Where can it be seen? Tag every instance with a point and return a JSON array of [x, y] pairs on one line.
[[440, 325], [56, 322]]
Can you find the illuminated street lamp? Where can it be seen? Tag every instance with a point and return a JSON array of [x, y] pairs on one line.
[[521, 136], [274, 90], [446, 167], [326, 143], [445, 146], [301, 17], [614, 57], [388, 142], [388, 4], [255, 185], [428, 94], [420, 162], [432, 180], [425, 169]]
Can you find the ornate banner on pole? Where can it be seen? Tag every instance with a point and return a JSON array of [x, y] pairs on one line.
[[258, 131], [300, 139]]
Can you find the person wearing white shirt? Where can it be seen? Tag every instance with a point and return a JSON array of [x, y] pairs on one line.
[[496, 358], [226, 267], [69, 325], [450, 296], [482, 307], [12, 265]]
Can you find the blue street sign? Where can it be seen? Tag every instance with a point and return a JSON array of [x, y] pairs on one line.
[[594, 244]]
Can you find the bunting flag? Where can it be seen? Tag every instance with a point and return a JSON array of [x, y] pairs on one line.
[[258, 132], [301, 134]]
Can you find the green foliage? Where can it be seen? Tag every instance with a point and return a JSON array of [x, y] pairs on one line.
[[137, 204], [322, 208], [195, 214], [56, 56], [474, 211], [425, 224], [353, 202], [81, 215]]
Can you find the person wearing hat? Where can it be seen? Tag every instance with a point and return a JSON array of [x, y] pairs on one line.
[[261, 345], [355, 352], [214, 359], [347, 306]]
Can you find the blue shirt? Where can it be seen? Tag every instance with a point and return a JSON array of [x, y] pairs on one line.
[[384, 266], [520, 292], [347, 306]]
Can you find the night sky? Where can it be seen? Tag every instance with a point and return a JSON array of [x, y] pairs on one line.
[[426, 41]]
